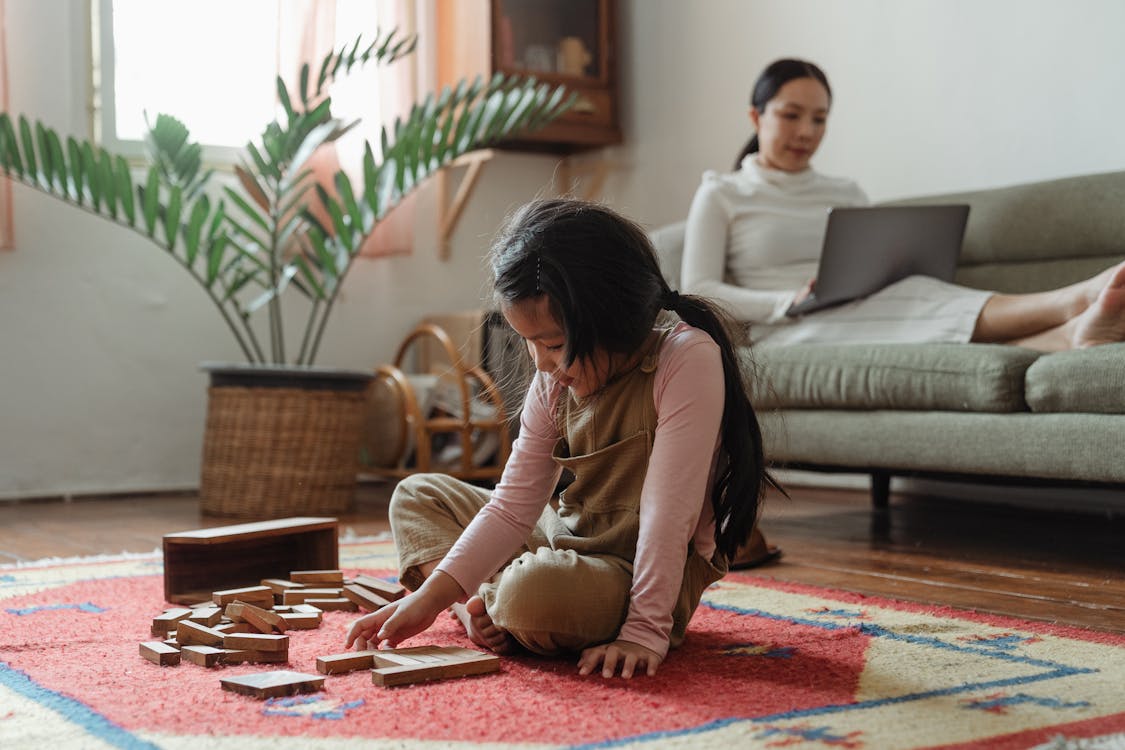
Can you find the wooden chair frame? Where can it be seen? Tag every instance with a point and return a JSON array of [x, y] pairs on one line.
[[424, 428]]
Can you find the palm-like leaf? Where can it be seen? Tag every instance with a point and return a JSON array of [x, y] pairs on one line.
[[421, 145], [179, 161], [264, 236]]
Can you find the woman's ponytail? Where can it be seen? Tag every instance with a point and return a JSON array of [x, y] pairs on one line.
[[751, 147]]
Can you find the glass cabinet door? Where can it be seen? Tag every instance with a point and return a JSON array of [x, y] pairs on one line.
[[550, 39]]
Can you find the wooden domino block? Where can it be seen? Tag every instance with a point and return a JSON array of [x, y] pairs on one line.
[[190, 633], [397, 657], [279, 585], [160, 653], [235, 627], [364, 598], [252, 656], [385, 589], [165, 623], [263, 620], [301, 620], [273, 684], [204, 656], [332, 577], [410, 665], [256, 641], [260, 595], [304, 608], [298, 596], [346, 662], [336, 604], [208, 616]]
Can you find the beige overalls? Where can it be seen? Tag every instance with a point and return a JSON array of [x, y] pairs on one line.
[[568, 587]]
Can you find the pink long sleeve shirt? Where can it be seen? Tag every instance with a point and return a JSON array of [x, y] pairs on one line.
[[675, 508]]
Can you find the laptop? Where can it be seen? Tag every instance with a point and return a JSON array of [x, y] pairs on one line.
[[866, 249]]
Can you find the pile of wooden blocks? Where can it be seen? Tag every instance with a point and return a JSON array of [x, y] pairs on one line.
[[250, 624]]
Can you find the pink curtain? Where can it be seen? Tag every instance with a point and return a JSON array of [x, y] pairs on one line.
[[6, 233], [318, 27], [398, 86]]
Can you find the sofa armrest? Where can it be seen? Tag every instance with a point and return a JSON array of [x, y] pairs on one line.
[[668, 242]]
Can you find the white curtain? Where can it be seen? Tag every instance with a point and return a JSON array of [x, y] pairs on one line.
[[6, 232]]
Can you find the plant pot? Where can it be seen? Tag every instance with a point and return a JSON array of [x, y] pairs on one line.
[[281, 441]]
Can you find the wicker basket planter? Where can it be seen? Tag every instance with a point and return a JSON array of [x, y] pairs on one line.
[[281, 441]]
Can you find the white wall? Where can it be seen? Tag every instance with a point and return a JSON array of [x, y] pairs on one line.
[[930, 95], [100, 335]]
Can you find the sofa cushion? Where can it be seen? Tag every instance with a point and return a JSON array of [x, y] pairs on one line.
[[945, 377], [1091, 381]]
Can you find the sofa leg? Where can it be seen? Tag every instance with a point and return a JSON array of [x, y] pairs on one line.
[[881, 490]]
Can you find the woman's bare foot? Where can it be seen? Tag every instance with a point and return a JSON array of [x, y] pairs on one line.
[[1103, 322], [480, 628], [1089, 290]]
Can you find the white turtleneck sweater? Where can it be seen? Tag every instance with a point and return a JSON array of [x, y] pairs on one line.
[[753, 237]]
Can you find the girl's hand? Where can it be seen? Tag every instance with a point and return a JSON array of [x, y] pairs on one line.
[[631, 657], [408, 616]]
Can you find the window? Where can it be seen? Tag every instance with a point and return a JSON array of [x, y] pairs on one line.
[[212, 64]]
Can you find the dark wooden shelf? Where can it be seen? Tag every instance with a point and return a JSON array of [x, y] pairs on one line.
[[568, 42]]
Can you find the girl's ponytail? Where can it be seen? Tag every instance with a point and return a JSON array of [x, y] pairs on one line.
[[742, 475]]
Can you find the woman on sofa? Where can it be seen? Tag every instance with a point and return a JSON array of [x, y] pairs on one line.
[[763, 225]]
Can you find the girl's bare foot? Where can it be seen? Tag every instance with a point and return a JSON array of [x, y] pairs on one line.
[[1104, 321], [480, 628]]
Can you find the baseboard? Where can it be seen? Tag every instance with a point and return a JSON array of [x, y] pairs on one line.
[[94, 494], [128, 494]]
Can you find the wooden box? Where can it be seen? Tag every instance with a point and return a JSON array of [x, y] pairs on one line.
[[199, 562]]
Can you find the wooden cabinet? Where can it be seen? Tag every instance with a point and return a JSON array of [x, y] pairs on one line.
[[571, 42]]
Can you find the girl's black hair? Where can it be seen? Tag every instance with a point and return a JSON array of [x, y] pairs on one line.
[[777, 74], [603, 284]]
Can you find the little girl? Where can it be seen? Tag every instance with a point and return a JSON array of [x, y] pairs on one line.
[[655, 425]]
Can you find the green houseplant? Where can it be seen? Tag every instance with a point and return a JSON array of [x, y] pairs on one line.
[[250, 245]]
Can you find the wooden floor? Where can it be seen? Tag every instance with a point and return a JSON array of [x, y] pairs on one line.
[[1064, 568]]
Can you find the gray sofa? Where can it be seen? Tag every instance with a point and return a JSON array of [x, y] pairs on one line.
[[964, 411]]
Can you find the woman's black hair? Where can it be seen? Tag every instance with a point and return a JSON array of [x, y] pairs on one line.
[[777, 74], [603, 284]]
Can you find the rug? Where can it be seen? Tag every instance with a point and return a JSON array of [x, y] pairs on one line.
[[765, 665]]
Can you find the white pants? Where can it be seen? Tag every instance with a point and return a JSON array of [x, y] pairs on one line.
[[918, 310]]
